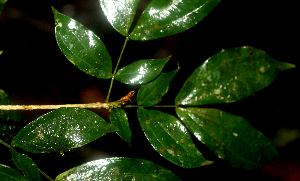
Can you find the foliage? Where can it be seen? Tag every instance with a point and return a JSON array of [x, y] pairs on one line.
[[228, 76], [2, 3]]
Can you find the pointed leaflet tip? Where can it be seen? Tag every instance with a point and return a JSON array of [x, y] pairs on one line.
[[152, 93], [61, 130], [230, 75], [164, 18], [141, 71], [230, 137], [82, 47], [169, 137], [288, 66]]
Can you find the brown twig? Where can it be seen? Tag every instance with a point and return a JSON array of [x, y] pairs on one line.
[[97, 105]]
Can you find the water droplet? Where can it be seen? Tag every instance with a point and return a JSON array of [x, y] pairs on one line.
[[262, 69], [62, 153]]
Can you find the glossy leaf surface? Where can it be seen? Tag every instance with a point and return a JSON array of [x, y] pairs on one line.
[[170, 138], [62, 130], [152, 93], [229, 136], [118, 169], [9, 120], [230, 75], [82, 47], [120, 13], [163, 18], [27, 165], [141, 71], [119, 119], [10, 174]]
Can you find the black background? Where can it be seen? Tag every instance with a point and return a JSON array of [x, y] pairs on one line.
[[34, 71]]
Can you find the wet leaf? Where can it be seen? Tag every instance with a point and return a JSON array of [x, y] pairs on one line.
[[164, 18], [62, 130], [120, 13], [26, 165], [230, 75], [10, 174], [229, 136], [2, 3], [141, 71], [118, 169], [82, 47], [152, 93], [119, 119], [10, 121], [170, 138]]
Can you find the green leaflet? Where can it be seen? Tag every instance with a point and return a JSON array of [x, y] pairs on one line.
[[27, 165], [170, 138], [118, 169], [119, 119], [10, 174], [120, 13], [62, 130], [230, 75], [229, 136], [168, 17], [152, 93], [2, 3], [9, 120], [141, 71], [82, 47]]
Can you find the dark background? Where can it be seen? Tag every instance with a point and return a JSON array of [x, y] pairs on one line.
[[34, 71]]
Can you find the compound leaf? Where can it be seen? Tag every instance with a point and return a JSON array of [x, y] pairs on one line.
[[120, 13], [229, 136], [82, 47], [27, 165], [167, 17], [152, 93], [170, 138], [141, 71], [230, 75], [118, 169], [119, 119], [61, 130]]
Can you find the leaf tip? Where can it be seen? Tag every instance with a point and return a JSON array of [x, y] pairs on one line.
[[286, 66], [53, 9], [290, 66]]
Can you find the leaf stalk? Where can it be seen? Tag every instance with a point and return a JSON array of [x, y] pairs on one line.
[[115, 70]]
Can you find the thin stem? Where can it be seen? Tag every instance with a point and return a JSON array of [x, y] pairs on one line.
[[135, 106], [5, 144], [97, 105], [45, 175], [115, 70]]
